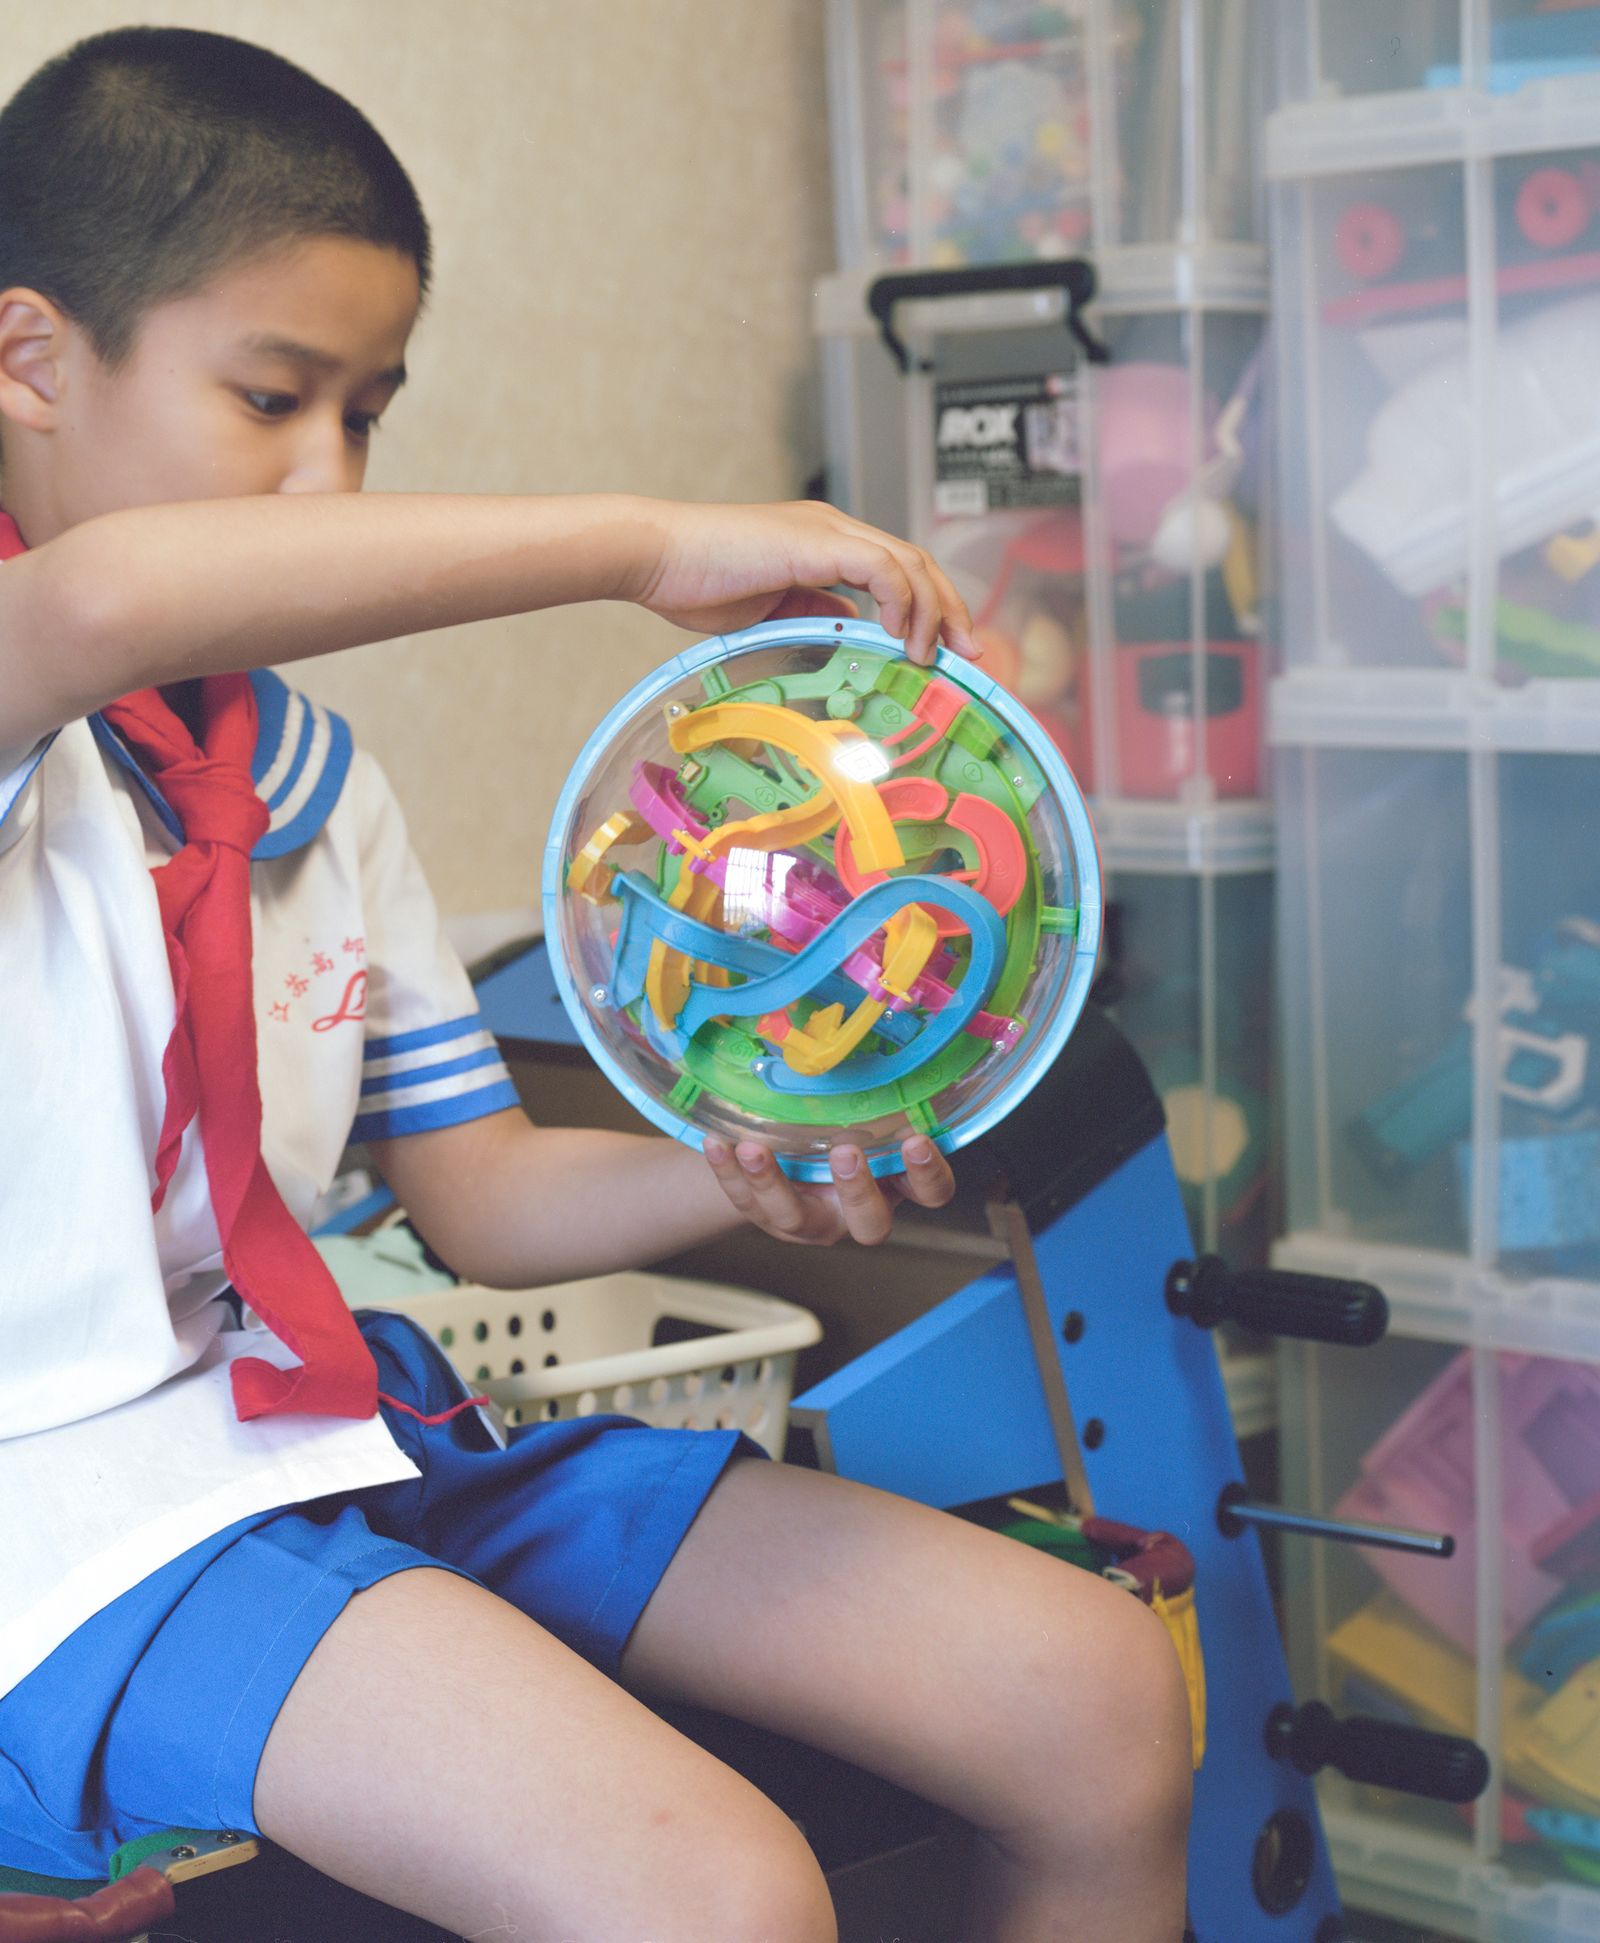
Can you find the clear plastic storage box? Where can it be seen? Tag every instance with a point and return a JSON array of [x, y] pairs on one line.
[[1124, 608], [1434, 197], [1002, 130], [1100, 517], [1350, 50], [1437, 284], [1191, 985], [1441, 1003], [1127, 617], [1500, 1642]]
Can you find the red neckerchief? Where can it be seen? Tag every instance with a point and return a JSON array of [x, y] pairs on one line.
[[210, 1063]]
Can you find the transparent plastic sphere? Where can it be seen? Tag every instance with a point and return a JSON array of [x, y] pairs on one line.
[[799, 887]]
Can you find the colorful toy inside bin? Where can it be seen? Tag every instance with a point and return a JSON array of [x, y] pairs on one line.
[[799, 887]]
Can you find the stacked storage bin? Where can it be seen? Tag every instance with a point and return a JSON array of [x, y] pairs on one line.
[[1111, 565], [1434, 180]]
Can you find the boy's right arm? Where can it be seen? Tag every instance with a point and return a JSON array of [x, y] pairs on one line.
[[154, 594]]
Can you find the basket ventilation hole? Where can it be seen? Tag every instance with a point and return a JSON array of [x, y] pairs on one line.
[[514, 1325], [552, 1408], [585, 1406], [480, 1332], [551, 1360], [730, 1376], [659, 1389], [517, 1366], [446, 1336], [547, 1321]]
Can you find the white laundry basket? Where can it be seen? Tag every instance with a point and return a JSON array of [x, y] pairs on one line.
[[661, 1348], [666, 1350]]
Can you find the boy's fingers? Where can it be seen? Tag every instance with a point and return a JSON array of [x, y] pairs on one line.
[[956, 627], [774, 1196], [875, 567], [866, 1212], [922, 629], [719, 1157], [928, 1180], [915, 597]]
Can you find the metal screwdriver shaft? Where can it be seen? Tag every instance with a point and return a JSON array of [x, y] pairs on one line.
[[1235, 1510]]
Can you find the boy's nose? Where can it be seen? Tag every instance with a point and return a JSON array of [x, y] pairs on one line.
[[324, 461], [323, 475]]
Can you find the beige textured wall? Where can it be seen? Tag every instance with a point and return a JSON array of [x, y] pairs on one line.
[[630, 201]]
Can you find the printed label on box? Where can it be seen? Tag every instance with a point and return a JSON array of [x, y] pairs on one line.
[[1003, 442]]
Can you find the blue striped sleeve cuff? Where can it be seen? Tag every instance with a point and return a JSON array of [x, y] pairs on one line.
[[436, 1076]]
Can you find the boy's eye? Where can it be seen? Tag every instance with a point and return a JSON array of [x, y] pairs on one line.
[[278, 404]]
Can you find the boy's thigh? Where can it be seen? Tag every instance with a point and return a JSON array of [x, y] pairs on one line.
[[442, 1752], [949, 1659]]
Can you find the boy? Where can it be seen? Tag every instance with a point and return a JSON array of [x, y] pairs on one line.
[[209, 269]]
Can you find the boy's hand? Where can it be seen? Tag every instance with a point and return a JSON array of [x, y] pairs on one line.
[[725, 567], [818, 1212]]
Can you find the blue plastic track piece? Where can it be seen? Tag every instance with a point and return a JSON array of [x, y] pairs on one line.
[[786, 976], [864, 1070], [808, 972], [647, 919], [663, 1039]]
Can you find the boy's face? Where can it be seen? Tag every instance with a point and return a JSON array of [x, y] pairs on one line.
[[215, 400]]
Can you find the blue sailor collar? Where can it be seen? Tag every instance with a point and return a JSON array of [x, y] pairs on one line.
[[301, 760]]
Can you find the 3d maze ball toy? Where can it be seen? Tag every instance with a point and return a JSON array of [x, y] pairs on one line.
[[800, 887]]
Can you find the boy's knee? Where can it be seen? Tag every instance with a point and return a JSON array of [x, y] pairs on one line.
[[1118, 1722], [1151, 1776], [765, 1883], [751, 1882]]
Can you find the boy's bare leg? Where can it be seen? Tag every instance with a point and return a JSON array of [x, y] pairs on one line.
[[1041, 1704], [442, 1752]]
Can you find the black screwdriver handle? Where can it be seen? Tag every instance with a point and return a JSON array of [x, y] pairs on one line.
[[1278, 1302], [1386, 1753]]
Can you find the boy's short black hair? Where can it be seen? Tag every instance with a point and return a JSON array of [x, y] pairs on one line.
[[142, 162]]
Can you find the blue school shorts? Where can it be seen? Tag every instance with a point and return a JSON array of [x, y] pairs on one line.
[[154, 1713]]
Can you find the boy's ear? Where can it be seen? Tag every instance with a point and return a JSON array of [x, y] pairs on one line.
[[34, 336]]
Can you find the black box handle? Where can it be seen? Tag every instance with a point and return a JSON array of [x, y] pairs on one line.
[[1073, 276]]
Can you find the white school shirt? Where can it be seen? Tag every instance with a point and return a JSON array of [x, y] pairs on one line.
[[119, 1446]]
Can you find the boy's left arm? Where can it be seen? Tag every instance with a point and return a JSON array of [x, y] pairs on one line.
[[513, 1205]]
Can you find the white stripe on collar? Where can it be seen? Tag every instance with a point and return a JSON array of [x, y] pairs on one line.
[[277, 771], [299, 779], [310, 771]]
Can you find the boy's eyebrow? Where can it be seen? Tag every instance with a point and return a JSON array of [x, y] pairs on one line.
[[287, 347]]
